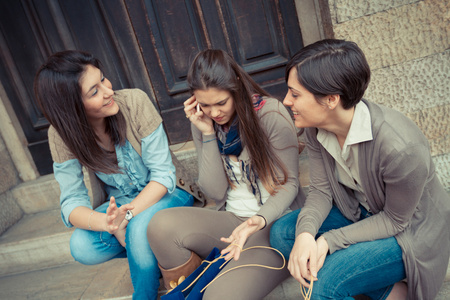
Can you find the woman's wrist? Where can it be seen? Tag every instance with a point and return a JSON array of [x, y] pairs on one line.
[[264, 221], [209, 132], [104, 222]]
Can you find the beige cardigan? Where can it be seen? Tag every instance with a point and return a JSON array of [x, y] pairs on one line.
[[142, 119], [277, 124], [408, 201]]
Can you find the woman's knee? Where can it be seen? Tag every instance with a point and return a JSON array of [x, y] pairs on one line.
[[282, 234], [94, 247], [276, 239], [80, 249], [164, 224]]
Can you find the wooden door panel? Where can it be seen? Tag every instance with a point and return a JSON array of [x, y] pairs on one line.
[[31, 30], [252, 31], [146, 44], [251, 25]]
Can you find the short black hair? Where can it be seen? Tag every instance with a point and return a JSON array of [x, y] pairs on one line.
[[332, 67]]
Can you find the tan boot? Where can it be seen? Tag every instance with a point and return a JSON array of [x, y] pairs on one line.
[[184, 270]]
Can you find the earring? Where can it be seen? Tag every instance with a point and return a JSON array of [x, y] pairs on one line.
[[329, 106]]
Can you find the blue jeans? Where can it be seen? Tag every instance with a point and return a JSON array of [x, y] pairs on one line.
[[95, 247], [370, 268]]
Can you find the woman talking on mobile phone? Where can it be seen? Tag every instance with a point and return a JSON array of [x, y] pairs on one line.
[[248, 163]]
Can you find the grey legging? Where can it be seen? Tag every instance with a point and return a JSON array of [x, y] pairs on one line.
[[173, 233]]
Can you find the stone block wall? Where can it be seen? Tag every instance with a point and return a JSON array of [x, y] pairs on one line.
[[10, 212], [407, 45]]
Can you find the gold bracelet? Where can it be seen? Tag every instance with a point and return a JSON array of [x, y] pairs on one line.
[[89, 220]]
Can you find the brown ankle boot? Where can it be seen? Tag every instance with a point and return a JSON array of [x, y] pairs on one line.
[[184, 270]]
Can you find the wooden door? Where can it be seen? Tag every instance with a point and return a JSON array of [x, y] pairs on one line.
[[261, 35], [31, 30], [147, 44]]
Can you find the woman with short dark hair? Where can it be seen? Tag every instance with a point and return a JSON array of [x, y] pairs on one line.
[[376, 213], [119, 138]]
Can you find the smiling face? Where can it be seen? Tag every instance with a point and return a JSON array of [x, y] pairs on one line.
[[216, 104], [307, 111], [97, 94]]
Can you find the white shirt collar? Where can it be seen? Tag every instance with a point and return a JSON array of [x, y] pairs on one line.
[[360, 131]]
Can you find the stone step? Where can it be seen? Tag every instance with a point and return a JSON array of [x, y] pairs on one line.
[[35, 262], [37, 241], [110, 280], [37, 195]]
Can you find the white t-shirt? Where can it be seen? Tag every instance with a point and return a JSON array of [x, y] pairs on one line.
[[240, 200]]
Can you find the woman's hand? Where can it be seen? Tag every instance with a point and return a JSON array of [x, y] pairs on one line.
[[115, 215], [305, 259], [322, 252], [198, 118], [120, 233], [240, 235]]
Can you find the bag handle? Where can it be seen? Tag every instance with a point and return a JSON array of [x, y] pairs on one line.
[[306, 293], [247, 265]]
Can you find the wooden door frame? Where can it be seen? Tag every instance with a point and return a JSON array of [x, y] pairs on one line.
[[314, 27]]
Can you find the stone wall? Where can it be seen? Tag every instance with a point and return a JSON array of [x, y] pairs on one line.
[[407, 44], [10, 212]]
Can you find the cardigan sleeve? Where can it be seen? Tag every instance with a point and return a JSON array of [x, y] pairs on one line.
[[404, 174], [319, 201], [212, 179], [282, 136]]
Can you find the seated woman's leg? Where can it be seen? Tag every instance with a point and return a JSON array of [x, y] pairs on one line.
[[95, 247], [248, 283], [282, 234], [143, 265], [174, 233], [369, 268]]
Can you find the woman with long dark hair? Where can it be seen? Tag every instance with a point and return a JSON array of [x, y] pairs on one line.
[[248, 163], [376, 213], [118, 137]]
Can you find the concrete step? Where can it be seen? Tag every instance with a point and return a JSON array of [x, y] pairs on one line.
[[37, 195], [37, 241], [110, 280]]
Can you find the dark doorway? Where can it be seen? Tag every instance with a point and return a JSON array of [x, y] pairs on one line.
[[143, 44]]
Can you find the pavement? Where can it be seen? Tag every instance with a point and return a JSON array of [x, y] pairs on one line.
[[35, 260]]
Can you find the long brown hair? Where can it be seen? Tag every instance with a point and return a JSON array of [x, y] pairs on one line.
[[58, 94], [215, 68]]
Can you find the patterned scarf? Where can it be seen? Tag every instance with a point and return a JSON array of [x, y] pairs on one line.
[[228, 138], [229, 143]]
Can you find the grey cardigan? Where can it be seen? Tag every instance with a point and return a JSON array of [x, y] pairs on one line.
[[278, 125], [407, 199]]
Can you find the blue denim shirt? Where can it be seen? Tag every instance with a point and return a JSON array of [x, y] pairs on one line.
[[154, 165]]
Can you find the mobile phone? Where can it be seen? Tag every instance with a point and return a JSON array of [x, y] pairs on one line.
[[198, 107]]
